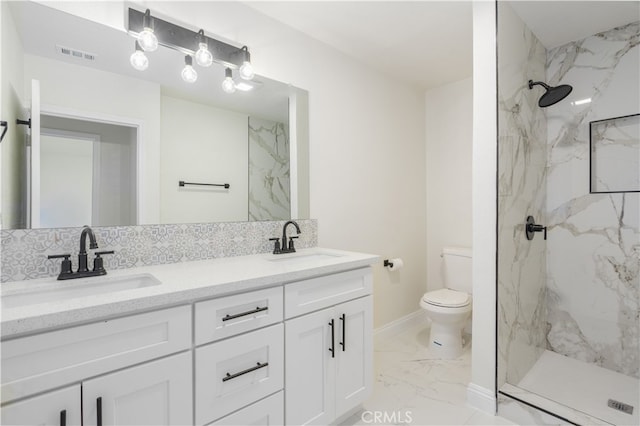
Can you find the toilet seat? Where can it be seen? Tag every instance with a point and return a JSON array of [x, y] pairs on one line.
[[447, 298]]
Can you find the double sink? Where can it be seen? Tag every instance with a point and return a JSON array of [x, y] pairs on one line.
[[52, 291]]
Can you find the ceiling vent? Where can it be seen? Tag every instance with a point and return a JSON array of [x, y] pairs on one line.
[[75, 53]]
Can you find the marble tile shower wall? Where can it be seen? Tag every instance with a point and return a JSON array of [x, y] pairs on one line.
[[594, 239], [269, 177], [24, 252], [521, 192]]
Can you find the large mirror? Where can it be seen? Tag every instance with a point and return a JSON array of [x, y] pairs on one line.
[[109, 145]]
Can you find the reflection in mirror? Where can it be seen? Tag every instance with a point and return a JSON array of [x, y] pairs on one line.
[[110, 143]]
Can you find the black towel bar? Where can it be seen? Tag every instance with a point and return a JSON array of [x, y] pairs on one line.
[[183, 183]]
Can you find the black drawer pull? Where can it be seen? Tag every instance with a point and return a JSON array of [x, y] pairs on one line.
[[230, 376], [243, 314], [63, 418]]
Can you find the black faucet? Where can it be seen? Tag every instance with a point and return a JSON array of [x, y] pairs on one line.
[[290, 248], [66, 273], [82, 255]]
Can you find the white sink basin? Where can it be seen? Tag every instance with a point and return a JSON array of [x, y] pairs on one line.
[[64, 290], [303, 257]]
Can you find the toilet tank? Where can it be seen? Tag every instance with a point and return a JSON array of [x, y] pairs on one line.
[[457, 268]]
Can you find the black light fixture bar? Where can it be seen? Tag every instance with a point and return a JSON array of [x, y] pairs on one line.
[[186, 41]]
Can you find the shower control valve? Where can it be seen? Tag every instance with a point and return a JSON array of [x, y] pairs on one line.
[[531, 227]]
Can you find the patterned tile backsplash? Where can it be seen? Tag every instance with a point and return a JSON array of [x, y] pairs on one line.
[[24, 252]]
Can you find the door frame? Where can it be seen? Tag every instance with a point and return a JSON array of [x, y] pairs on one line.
[[138, 125]]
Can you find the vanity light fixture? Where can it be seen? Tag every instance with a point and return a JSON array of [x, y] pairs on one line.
[[204, 58], [228, 85], [152, 31], [246, 69], [147, 38], [138, 59], [188, 73]]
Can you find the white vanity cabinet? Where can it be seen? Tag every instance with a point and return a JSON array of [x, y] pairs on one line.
[[85, 358], [293, 352], [329, 351]]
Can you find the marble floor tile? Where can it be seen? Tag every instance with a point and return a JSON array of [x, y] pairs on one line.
[[412, 387]]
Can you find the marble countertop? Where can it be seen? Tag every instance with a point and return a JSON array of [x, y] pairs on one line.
[[181, 283]]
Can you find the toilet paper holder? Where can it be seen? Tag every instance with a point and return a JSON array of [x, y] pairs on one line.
[[388, 263]]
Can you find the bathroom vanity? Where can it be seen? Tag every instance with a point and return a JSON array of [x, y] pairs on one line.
[[223, 341]]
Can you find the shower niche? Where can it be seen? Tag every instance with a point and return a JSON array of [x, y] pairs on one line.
[[614, 148]]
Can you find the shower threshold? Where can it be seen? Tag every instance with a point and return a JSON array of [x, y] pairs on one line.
[[572, 389]]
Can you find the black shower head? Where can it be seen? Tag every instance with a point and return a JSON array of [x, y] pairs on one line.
[[552, 95]]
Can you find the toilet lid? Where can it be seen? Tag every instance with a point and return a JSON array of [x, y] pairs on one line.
[[447, 297]]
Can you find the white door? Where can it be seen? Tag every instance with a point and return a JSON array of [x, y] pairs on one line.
[[57, 408], [354, 359], [156, 393], [309, 376]]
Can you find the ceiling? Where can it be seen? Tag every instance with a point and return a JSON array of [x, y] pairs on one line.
[[559, 22], [429, 43], [423, 43]]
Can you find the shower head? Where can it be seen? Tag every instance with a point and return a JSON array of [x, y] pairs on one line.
[[552, 95]]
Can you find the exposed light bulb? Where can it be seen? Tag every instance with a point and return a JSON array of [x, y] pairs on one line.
[[147, 39], [188, 73], [246, 70], [138, 59], [204, 58], [228, 85]]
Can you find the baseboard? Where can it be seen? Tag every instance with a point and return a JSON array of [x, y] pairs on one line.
[[399, 325], [482, 398]]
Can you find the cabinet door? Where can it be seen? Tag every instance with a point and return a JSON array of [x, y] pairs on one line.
[[309, 376], [61, 407], [155, 393], [354, 357]]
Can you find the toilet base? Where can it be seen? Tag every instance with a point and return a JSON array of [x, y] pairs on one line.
[[445, 340]]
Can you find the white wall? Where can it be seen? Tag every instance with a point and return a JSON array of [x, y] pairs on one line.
[[367, 151], [483, 360], [449, 124], [186, 128]]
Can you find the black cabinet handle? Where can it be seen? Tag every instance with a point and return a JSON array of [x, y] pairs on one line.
[[343, 318], [99, 409], [230, 376], [243, 314], [63, 418], [332, 349]]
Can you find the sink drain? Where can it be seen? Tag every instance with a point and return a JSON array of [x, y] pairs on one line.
[[620, 406]]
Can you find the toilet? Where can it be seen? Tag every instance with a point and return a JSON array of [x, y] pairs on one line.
[[450, 307]]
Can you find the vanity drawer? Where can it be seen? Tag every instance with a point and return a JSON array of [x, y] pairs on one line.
[[234, 373], [228, 316], [313, 294], [44, 361], [267, 412]]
